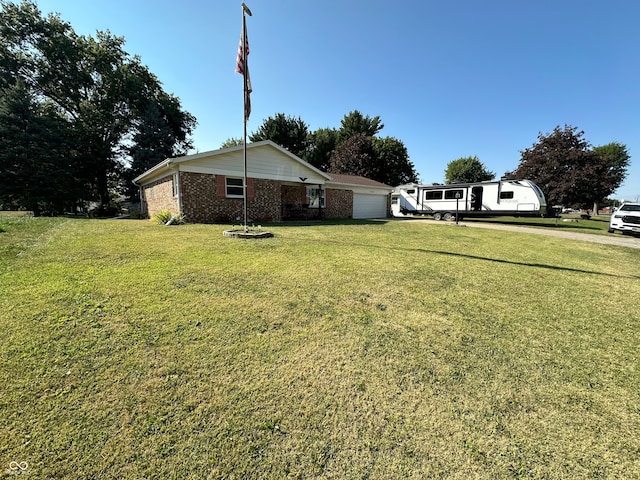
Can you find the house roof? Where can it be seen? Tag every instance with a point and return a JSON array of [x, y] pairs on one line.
[[273, 161], [354, 180], [178, 163]]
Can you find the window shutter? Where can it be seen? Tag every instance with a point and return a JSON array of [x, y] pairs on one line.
[[221, 186], [251, 190]]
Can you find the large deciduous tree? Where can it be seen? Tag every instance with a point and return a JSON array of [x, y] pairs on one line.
[[159, 135], [354, 122], [356, 156], [382, 159], [615, 160], [393, 159], [353, 149], [359, 152], [100, 91], [322, 144], [288, 132], [466, 170], [569, 172]]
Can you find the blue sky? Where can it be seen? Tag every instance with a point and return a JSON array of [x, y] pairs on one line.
[[449, 79]]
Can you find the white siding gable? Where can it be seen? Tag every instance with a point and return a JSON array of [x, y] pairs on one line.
[[264, 162]]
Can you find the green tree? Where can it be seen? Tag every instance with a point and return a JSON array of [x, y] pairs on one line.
[[153, 141], [615, 160], [99, 90], [356, 156], [322, 144], [567, 170], [467, 170], [358, 151], [288, 132], [356, 123], [232, 142], [393, 159], [36, 174]]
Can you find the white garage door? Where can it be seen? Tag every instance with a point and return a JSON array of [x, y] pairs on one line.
[[366, 205]]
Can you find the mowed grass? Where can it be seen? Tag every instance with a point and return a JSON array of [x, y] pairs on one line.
[[350, 350], [571, 222]]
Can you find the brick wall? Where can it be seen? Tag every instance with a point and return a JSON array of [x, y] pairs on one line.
[[204, 200], [158, 196], [339, 203]]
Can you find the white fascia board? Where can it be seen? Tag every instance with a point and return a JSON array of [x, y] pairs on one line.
[[160, 170]]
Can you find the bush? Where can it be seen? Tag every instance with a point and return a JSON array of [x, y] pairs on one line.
[[164, 216]]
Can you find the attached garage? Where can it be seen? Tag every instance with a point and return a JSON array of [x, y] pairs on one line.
[[367, 205], [370, 198]]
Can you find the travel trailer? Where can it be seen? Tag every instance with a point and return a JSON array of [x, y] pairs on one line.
[[482, 199]]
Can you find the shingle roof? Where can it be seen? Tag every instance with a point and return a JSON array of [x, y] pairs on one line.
[[355, 180]]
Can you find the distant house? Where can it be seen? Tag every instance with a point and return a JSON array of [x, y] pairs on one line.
[[208, 188]]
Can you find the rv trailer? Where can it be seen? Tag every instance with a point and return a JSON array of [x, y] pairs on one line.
[[518, 198]]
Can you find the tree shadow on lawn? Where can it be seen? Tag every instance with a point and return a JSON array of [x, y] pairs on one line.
[[487, 259], [332, 222], [524, 223], [526, 264]]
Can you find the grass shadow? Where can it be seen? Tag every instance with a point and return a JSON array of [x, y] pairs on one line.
[[489, 259], [528, 264], [332, 222], [528, 223]]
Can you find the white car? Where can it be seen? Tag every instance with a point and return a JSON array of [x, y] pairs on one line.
[[626, 219]]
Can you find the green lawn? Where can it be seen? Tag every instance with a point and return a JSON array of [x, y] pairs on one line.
[[568, 222], [358, 350]]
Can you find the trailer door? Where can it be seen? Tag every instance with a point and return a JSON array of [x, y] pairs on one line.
[[476, 199]]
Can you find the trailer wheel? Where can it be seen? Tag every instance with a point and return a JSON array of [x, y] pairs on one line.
[[447, 216], [437, 216]]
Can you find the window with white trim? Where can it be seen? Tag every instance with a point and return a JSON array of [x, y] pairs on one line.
[[235, 187], [315, 197], [174, 184]]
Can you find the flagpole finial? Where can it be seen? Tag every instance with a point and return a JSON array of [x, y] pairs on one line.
[[245, 9]]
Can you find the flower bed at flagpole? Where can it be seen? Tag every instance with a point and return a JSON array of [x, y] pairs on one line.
[[240, 233]]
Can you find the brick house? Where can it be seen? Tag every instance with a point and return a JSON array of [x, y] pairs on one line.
[[208, 188]]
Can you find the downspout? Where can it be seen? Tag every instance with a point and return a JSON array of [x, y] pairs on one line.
[[179, 192], [141, 196]]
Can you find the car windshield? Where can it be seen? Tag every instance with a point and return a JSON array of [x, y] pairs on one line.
[[630, 208]]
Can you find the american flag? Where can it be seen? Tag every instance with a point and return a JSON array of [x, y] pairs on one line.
[[242, 67]]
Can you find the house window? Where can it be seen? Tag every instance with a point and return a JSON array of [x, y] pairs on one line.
[[315, 197], [174, 184], [235, 187], [506, 195]]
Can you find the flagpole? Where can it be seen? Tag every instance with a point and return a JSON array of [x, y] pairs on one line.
[[243, 68], [244, 111]]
